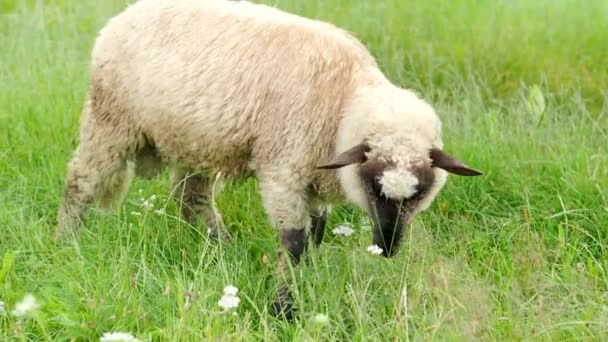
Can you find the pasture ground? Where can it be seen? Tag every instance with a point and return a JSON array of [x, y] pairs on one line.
[[520, 253]]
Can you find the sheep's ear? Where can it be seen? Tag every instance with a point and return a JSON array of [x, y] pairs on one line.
[[446, 162], [351, 156]]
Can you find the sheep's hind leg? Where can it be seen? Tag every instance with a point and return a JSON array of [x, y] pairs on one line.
[[148, 163], [98, 171], [194, 194]]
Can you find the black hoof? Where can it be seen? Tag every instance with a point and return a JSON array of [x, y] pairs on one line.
[[284, 311], [217, 233], [283, 307]]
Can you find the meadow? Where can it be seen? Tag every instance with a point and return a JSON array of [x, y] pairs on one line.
[[520, 253]]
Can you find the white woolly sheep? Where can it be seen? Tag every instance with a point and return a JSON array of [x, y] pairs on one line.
[[214, 87]]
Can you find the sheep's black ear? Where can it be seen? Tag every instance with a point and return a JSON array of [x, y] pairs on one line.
[[351, 156], [446, 162]]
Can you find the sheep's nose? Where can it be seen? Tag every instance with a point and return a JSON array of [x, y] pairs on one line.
[[389, 252], [390, 246]]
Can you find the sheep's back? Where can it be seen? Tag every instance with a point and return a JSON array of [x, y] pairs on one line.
[[211, 80]]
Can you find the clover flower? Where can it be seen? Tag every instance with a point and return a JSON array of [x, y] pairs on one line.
[[343, 229], [26, 307], [118, 337], [374, 249], [229, 300], [321, 319]]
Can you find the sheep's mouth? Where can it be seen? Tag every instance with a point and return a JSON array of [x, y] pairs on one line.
[[387, 214], [389, 221]]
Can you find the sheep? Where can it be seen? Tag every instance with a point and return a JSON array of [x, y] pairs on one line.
[[228, 90]]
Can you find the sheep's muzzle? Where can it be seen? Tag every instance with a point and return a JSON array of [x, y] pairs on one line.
[[389, 221]]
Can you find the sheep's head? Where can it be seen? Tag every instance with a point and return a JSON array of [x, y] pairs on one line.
[[395, 188]]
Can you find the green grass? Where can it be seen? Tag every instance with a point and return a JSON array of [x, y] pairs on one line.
[[518, 254]]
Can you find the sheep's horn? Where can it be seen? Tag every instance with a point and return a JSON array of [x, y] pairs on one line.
[[353, 155], [446, 162]]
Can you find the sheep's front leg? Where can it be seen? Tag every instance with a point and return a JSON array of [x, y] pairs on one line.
[[287, 210], [318, 218], [293, 246]]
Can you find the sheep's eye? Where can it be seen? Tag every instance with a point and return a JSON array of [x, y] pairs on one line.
[[377, 187], [419, 192]]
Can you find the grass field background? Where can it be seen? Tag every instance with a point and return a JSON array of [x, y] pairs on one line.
[[518, 254]]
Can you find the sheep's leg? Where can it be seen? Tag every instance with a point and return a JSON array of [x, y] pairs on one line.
[[317, 227], [287, 209], [293, 245], [148, 162], [115, 188], [193, 191], [98, 170], [318, 218]]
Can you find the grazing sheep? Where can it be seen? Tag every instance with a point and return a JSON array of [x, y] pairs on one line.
[[233, 88]]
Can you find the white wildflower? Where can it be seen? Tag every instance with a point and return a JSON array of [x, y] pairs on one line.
[[230, 290], [26, 306], [343, 230], [374, 249], [321, 319], [228, 302], [160, 212], [2, 309], [135, 213], [147, 205], [118, 337]]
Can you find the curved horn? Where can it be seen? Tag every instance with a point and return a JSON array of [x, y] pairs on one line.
[[353, 155], [446, 162]]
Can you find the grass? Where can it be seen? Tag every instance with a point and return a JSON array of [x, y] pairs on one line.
[[518, 254]]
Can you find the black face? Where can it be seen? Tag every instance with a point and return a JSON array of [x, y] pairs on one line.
[[388, 215]]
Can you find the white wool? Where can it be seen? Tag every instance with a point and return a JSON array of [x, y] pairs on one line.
[[233, 88], [162, 62], [398, 183]]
